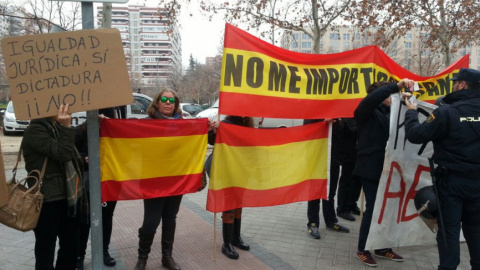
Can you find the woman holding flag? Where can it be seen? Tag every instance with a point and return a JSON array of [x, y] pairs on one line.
[[165, 105], [232, 219]]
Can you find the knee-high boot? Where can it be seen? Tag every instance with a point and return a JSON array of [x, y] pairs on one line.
[[168, 236], [237, 239], [227, 247], [144, 247]]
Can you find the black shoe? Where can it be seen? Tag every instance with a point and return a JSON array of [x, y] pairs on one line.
[[107, 259], [169, 262], [346, 215], [229, 251], [356, 211], [312, 231], [240, 244], [339, 228], [79, 265]]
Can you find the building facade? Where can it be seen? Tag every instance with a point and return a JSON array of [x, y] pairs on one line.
[[152, 44], [408, 51]]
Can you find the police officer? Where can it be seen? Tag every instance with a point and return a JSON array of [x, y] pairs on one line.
[[454, 129]]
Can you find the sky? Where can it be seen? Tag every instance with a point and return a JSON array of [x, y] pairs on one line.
[[200, 37]]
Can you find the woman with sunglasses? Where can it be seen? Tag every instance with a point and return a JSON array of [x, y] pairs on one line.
[[165, 105], [232, 219]]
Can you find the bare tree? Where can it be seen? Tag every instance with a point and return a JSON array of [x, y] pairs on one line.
[[312, 17], [201, 82], [450, 24], [39, 16]]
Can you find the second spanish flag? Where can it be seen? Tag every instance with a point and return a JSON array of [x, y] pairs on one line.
[[265, 167]]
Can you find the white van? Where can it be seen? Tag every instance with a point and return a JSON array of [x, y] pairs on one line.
[[260, 122]]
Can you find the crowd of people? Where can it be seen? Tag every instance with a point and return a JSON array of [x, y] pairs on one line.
[[454, 129]]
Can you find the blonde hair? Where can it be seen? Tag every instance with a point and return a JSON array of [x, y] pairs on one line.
[[153, 107]]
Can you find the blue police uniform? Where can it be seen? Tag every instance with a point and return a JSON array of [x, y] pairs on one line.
[[454, 129]]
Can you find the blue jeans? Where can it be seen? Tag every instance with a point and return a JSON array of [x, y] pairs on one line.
[[460, 204], [370, 189]]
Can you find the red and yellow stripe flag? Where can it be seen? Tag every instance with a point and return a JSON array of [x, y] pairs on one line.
[[309, 86], [263, 167], [151, 158]]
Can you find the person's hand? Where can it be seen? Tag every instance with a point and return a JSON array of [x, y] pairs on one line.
[[101, 117], [406, 95], [63, 117], [410, 106], [405, 83], [330, 120], [213, 124]]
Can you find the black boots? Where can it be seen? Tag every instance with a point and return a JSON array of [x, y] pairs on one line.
[[79, 265], [227, 248], [237, 239], [107, 259], [144, 245], [168, 235]]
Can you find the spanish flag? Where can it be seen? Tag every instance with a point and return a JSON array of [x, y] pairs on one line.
[[264, 167], [149, 158], [310, 86]]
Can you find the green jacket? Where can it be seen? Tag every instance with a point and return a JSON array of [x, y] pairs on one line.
[[45, 138]]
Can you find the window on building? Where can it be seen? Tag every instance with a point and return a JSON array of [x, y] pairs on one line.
[[305, 36], [346, 45], [335, 36], [295, 36], [294, 44], [306, 44], [408, 45], [346, 36], [306, 51], [408, 37]]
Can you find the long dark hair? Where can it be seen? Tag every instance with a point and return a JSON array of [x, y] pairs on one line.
[[376, 85]]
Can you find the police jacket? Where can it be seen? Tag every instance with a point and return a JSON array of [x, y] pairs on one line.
[[44, 137], [451, 128], [373, 120]]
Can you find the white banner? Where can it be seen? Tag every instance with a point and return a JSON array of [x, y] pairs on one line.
[[395, 221]]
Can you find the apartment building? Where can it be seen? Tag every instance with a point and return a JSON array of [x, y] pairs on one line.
[[152, 44], [408, 51]]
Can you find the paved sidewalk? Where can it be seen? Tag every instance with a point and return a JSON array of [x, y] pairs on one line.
[[277, 236]]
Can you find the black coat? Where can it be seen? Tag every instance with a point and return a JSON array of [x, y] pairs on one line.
[[44, 137], [454, 129], [373, 120]]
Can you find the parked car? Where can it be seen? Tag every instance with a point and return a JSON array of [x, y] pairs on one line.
[[10, 123], [211, 112], [259, 122], [135, 110], [192, 108]]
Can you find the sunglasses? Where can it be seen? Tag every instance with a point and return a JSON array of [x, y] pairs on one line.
[[165, 99]]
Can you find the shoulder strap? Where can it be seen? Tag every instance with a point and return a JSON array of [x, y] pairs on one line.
[[19, 158]]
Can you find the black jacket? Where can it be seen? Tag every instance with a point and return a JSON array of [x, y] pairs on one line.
[[45, 137], [454, 129], [373, 121]]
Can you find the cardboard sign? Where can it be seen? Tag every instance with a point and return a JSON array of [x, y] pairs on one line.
[[4, 196], [86, 69]]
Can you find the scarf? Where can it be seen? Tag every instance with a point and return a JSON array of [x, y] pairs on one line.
[[159, 115]]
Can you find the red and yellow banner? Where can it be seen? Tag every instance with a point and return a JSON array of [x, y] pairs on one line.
[[151, 158], [263, 167], [261, 80]]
